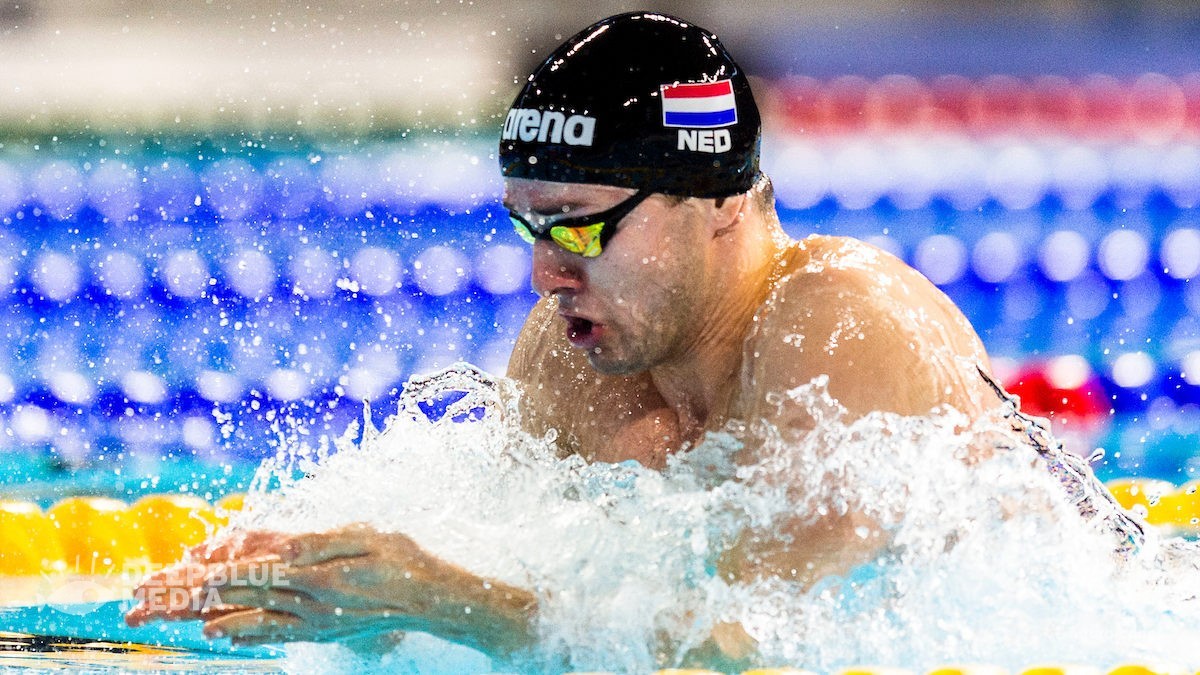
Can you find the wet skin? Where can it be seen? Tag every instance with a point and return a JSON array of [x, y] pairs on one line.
[[693, 314]]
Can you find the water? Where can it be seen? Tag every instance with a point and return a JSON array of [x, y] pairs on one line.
[[989, 559], [172, 275], [154, 286]]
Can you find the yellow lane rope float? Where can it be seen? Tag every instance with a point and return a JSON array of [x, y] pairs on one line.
[[102, 536]]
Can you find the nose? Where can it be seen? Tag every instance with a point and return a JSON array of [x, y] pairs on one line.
[[555, 271]]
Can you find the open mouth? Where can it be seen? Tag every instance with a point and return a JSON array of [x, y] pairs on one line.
[[579, 329]]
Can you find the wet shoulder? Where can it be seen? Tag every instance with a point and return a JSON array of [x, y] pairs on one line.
[[884, 336], [825, 276], [549, 373], [825, 263], [828, 275]]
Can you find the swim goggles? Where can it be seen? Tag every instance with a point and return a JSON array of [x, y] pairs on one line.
[[584, 235]]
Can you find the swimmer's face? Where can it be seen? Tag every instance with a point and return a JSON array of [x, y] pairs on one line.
[[635, 305]]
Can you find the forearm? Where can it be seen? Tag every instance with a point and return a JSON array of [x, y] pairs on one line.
[[355, 585], [729, 648], [490, 616], [803, 552]]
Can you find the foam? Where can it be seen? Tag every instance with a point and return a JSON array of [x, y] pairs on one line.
[[990, 558]]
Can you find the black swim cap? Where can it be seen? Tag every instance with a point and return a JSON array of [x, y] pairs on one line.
[[638, 100]]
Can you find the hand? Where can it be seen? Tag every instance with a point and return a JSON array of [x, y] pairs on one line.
[[350, 582], [174, 593], [319, 587]]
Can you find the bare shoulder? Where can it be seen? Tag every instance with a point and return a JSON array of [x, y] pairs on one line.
[[536, 352], [886, 337], [601, 417], [550, 374]]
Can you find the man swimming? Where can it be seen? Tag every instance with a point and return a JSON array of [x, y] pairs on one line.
[[672, 302]]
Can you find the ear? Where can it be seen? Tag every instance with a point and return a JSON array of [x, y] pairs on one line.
[[727, 213]]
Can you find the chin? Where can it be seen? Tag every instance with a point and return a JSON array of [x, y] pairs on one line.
[[612, 364]]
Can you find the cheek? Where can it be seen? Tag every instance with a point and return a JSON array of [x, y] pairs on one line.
[[657, 293], [649, 268], [626, 268], [663, 254]]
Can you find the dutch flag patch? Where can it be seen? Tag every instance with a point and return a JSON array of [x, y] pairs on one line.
[[699, 105]]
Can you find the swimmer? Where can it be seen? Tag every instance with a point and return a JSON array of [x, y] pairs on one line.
[[671, 303]]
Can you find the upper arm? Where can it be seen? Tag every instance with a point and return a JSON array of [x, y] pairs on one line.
[[887, 340], [542, 370], [529, 350], [894, 346]]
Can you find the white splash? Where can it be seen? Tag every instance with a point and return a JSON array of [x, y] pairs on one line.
[[990, 559]]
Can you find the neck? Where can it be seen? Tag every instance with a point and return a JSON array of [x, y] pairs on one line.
[[699, 384]]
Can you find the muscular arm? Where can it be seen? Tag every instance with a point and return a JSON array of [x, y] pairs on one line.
[[899, 347], [889, 341], [354, 584]]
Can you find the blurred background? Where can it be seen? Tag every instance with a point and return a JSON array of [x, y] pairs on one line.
[[225, 224]]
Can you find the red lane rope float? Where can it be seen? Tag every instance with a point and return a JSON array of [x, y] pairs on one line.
[[1150, 108], [1067, 391]]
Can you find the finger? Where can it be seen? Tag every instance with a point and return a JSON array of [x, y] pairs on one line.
[[167, 604], [142, 615], [273, 626], [213, 550], [212, 612], [346, 542], [254, 582], [261, 542], [266, 598], [346, 582], [246, 572], [179, 575], [365, 585], [254, 624], [322, 592], [335, 620], [236, 545]]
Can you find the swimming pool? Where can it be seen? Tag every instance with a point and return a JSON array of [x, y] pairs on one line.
[[185, 274], [183, 306]]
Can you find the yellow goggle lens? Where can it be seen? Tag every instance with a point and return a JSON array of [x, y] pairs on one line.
[[582, 240]]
